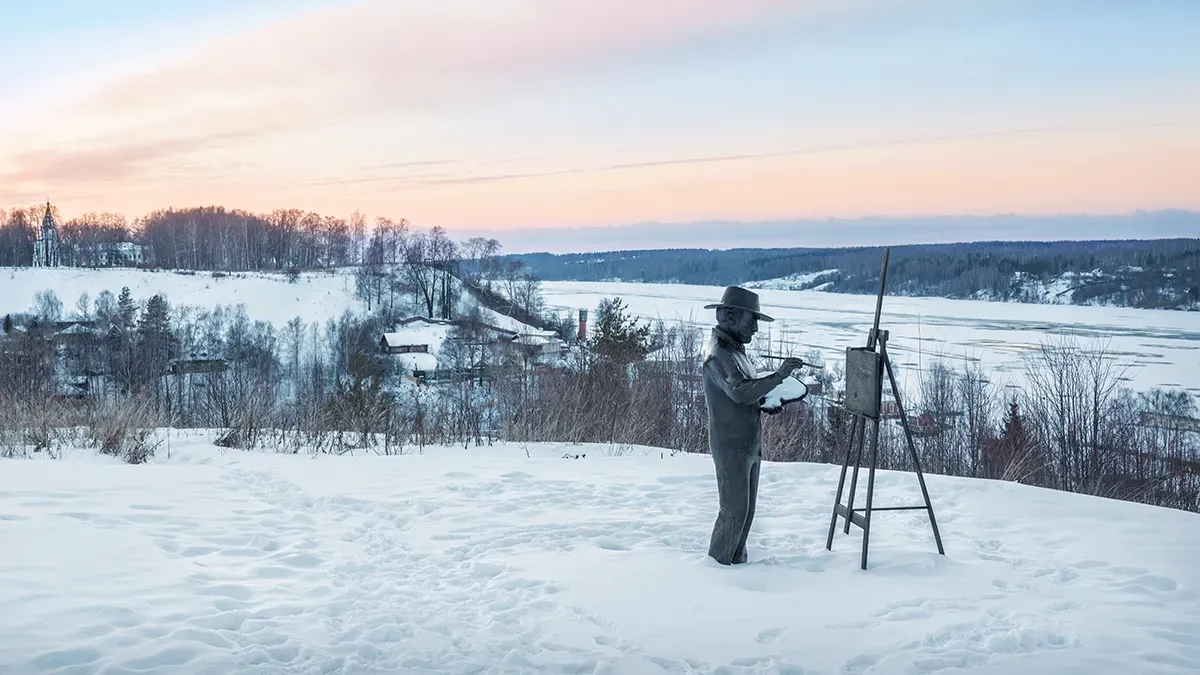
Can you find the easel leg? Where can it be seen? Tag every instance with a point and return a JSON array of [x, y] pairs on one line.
[[861, 440], [870, 489], [912, 449], [842, 481]]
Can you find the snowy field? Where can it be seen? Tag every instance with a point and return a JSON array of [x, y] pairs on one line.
[[1161, 347], [267, 297], [488, 560]]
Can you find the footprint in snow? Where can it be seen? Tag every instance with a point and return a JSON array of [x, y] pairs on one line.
[[613, 545], [770, 635]]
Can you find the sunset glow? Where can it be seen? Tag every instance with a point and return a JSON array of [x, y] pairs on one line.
[[490, 114]]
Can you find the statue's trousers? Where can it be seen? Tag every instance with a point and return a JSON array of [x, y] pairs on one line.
[[737, 489]]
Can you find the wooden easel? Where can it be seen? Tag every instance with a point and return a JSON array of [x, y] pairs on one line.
[[864, 398]]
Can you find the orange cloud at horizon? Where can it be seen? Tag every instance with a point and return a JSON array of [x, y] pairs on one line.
[[1070, 174], [459, 113], [1097, 173]]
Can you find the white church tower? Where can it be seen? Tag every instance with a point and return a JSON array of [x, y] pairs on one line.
[[45, 248]]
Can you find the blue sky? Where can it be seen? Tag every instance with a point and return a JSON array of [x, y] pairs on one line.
[[548, 113]]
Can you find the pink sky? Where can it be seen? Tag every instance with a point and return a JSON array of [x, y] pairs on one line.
[[542, 113]]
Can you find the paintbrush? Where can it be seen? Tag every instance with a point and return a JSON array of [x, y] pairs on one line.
[[806, 364]]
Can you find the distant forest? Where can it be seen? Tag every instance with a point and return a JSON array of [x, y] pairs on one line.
[[1152, 274], [1160, 273]]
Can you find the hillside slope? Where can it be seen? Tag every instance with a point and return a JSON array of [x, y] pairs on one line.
[[314, 296], [515, 559]]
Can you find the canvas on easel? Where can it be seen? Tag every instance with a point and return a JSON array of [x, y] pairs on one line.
[[864, 380]]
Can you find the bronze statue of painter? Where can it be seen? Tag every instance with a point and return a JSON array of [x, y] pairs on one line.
[[732, 391]]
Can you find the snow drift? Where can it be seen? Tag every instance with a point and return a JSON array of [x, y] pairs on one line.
[[270, 297], [525, 559]]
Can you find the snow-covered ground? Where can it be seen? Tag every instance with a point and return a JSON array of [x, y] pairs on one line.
[[491, 560], [502, 321], [506, 322], [1161, 347], [798, 281], [1059, 290], [267, 297]]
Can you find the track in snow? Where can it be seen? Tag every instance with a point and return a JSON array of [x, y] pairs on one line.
[[486, 561]]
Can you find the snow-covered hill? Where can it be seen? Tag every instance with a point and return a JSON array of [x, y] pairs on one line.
[[1126, 286], [805, 281], [314, 296], [514, 559]]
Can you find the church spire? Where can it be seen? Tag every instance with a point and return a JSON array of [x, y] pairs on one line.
[[46, 246]]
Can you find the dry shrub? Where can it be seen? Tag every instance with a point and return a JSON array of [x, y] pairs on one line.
[[34, 424], [124, 429]]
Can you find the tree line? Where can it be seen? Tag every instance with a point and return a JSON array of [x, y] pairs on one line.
[[1160, 273], [197, 238]]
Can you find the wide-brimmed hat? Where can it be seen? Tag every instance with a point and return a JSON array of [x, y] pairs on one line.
[[740, 298]]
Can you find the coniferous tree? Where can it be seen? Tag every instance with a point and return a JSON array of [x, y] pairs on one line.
[[1012, 454], [126, 311], [620, 337], [120, 347], [153, 339], [153, 327]]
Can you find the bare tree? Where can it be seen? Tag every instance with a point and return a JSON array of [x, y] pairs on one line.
[[46, 306], [977, 396], [423, 278]]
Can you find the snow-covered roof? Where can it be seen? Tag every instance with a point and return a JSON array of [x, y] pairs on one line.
[[425, 321], [538, 340], [420, 331], [74, 329], [406, 338], [417, 361]]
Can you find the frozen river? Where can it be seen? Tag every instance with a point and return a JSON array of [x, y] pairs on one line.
[[1161, 348]]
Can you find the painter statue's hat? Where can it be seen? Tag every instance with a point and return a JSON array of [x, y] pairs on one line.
[[740, 298]]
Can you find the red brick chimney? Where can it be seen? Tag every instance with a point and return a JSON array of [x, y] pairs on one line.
[[582, 325]]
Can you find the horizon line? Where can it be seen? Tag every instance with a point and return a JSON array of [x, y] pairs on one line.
[[657, 223]]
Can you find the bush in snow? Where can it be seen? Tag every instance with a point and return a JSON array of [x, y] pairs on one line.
[[124, 429]]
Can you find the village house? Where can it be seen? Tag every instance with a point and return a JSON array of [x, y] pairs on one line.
[[197, 364], [74, 333], [416, 342], [540, 344], [112, 254], [433, 349]]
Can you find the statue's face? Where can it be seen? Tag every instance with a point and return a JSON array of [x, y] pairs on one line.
[[739, 323]]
